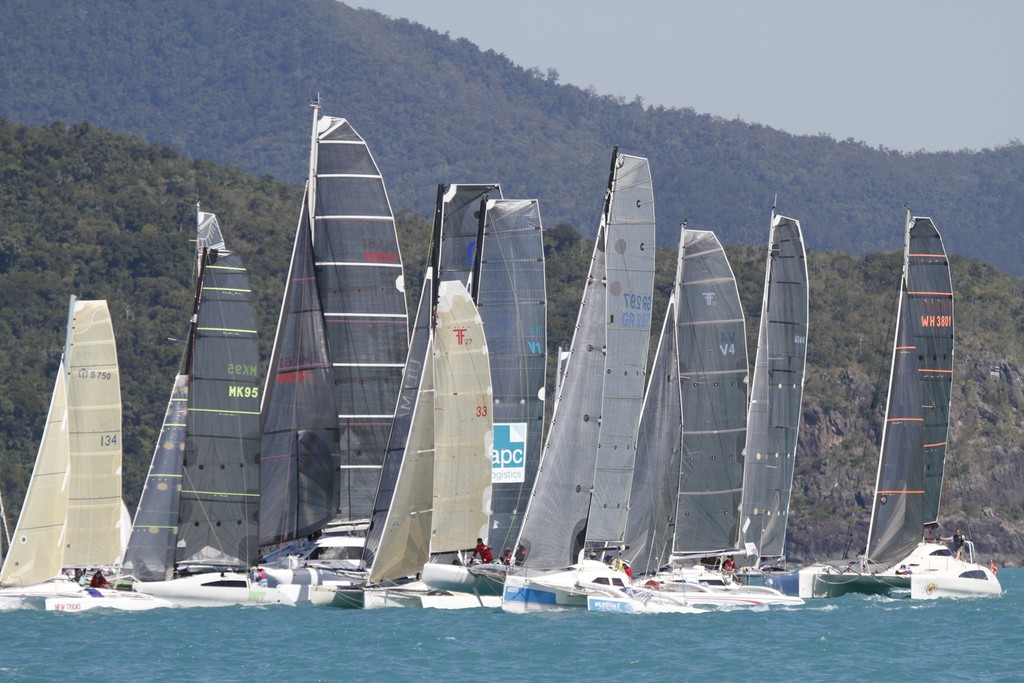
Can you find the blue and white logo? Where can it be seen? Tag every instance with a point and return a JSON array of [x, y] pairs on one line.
[[508, 457]]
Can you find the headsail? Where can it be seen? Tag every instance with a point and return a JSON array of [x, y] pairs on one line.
[[773, 422], [909, 483], [299, 460], [35, 554]]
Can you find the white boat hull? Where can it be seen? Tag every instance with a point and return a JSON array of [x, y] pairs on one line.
[[67, 596], [589, 585], [484, 580], [340, 596], [975, 582], [418, 595], [213, 589]]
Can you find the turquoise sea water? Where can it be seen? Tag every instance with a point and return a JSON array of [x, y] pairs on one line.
[[850, 638]]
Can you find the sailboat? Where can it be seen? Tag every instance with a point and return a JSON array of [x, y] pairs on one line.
[[686, 486], [495, 247], [336, 368], [440, 501], [577, 512], [195, 532], [908, 487], [71, 515]]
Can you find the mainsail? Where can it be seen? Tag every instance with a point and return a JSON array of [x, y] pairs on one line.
[[359, 279], [689, 450], [910, 469], [585, 471], [200, 506], [93, 535], [773, 420], [511, 296]]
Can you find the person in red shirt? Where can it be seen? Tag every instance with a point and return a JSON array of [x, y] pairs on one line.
[[483, 551], [98, 580]]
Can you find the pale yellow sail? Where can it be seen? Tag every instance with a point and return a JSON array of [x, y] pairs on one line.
[[35, 552], [463, 423], [93, 535]]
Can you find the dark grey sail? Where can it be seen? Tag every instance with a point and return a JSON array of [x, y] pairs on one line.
[[713, 382], [200, 504], [405, 412], [360, 282], [652, 506], [219, 505], [299, 460], [512, 301], [458, 225], [773, 420], [612, 326], [909, 483]]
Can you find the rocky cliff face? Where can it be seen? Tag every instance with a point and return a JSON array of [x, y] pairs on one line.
[[838, 458]]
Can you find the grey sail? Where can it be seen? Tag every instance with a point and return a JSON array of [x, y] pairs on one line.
[[299, 460], [512, 301], [773, 421], [652, 509], [713, 383], [914, 437], [629, 255], [150, 552], [219, 505], [207, 454], [406, 412], [495, 247], [359, 279], [613, 325]]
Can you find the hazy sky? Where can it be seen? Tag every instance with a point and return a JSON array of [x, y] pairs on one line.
[[906, 74]]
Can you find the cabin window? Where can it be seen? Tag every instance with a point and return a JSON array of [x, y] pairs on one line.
[[942, 552], [226, 583], [348, 552], [618, 582], [602, 580], [974, 574]]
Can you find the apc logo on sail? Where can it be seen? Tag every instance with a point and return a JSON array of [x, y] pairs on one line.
[[508, 457]]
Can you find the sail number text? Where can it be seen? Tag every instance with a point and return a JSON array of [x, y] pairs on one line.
[[637, 311]]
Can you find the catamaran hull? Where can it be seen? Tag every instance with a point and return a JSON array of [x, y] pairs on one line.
[[488, 579], [66, 596], [425, 598], [337, 596], [213, 589], [568, 588], [928, 564], [977, 582]]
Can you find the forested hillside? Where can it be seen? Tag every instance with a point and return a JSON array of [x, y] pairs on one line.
[[101, 215], [228, 81]]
